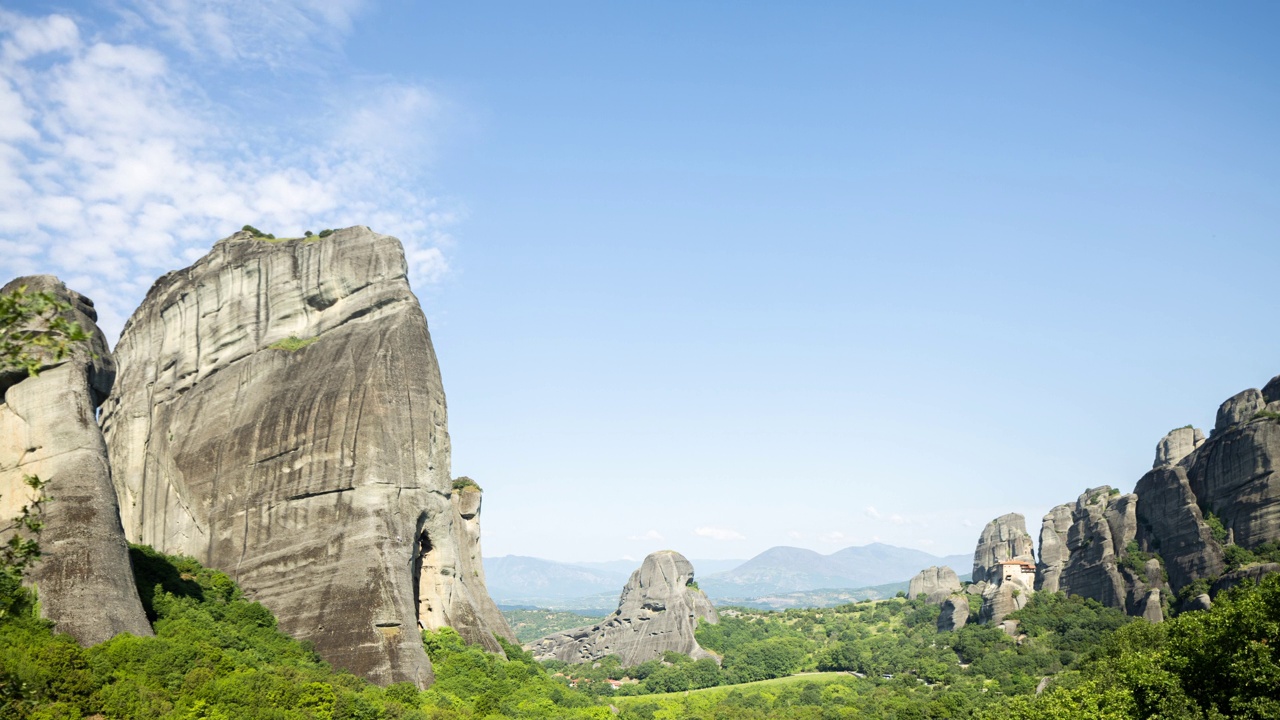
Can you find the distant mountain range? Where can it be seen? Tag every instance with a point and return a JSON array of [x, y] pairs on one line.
[[790, 569], [517, 581]]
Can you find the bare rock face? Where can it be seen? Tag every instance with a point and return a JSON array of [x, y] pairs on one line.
[[279, 415], [47, 429], [1083, 558], [955, 613], [1239, 408], [1176, 445], [487, 621], [658, 612], [1004, 538], [1002, 599], [1170, 524], [935, 583], [1233, 475], [1250, 574], [1054, 529]]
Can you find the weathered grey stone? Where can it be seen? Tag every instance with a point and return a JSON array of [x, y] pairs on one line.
[[1084, 560], [1004, 538], [488, 622], [1251, 574], [1271, 391], [955, 613], [1199, 602], [1053, 547], [658, 612], [47, 429], [314, 472], [1234, 476], [1000, 600], [1176, 445], [1151, 607], [935, 583], [1170, 525], [1239, 408]]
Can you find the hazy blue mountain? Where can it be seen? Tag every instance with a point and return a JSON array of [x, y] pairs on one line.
[[789, 569], [626, 567], [517, 580]]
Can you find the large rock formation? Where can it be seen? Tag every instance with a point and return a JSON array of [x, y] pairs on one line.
[[1082, 545], [658, 612], [935, 583], [279, 415], [1004, 538], [47, 429], [1177, 444], [954, 614], [1170, 525], [1233, 475]]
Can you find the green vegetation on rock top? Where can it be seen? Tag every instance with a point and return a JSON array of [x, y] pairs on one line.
[[293, 343], [465, 484]]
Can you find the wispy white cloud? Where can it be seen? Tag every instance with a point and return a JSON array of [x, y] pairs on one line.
[[271, 32], [115, 167], [834, 537], [872, 513], [653, 535], [718, 533]]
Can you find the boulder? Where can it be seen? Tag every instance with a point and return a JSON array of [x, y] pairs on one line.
[[1251, 574], [955, 613], [999, 601], [1177, 445], [48, 429], [659, 609], [1170, 525], [1151, 607], [1239, 408], [1199, 602], [935, 583], [279, 415], [1004, 538]]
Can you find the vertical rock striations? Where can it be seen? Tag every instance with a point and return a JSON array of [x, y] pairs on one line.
[[658, 612], [47, 429], [1082, 545], [1004, 538], [1233, 475], [279, 415], [472, 613]]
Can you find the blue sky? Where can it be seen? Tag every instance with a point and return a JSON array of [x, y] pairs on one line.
[[710, 276]]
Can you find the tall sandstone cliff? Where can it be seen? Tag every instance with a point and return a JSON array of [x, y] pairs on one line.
[[47, 429], [658, 611], [1004, 538], [279, 415]]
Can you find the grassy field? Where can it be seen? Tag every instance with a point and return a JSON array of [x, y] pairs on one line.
[[816, 677]]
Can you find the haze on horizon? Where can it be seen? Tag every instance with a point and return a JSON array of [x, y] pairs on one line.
[[715, 277]]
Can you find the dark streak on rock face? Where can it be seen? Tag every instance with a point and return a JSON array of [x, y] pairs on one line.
[[306, 470]]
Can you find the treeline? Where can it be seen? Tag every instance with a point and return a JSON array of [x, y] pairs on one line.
[[217, 655]]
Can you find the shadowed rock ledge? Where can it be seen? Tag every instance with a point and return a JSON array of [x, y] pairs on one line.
[[279, 415]]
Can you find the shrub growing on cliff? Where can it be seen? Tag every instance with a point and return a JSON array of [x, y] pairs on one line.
[[465, 484]]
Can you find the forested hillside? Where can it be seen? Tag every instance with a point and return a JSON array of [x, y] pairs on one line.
[[217, 655]]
